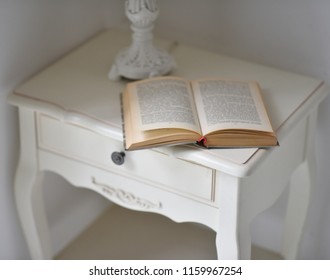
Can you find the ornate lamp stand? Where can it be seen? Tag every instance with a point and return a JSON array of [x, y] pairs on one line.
[[142, 59]]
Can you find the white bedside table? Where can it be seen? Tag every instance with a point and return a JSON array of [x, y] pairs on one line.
[[70, 123]]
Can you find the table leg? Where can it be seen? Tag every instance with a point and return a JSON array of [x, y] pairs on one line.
[[240, 200], [302, 181], [233, 239], [28, 191]]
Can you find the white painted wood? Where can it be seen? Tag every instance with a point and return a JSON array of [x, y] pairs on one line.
[[233, 238], [222, 189], [28, 190], [74, 96], [94, 149], [121, 189], [240, 200], [301, 184]]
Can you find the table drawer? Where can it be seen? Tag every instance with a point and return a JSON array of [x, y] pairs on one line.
[[149, 166]]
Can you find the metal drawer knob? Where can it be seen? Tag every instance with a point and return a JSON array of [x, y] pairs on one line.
[[118, 157]]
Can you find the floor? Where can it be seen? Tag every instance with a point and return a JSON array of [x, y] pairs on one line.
[[121, 234]]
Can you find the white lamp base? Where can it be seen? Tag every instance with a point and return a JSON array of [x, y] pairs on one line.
[[141, 60]]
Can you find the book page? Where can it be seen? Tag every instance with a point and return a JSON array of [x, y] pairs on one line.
[[226, 104], [160, 103]]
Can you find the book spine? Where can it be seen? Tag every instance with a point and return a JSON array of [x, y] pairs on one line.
[[122, 119]]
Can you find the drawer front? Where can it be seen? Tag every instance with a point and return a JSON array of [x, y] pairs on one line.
[[149, 166]]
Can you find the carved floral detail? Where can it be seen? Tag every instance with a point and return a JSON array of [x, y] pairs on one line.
[[126, 197]]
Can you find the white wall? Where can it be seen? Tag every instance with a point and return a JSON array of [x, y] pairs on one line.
[[289, 34]]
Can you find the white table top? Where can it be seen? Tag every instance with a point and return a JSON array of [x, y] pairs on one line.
[[76, 89]]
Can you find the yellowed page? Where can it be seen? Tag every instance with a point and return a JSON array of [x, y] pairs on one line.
[[160, 103], [228, 104]]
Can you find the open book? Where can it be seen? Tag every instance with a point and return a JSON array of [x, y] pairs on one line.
[[208, 112]]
